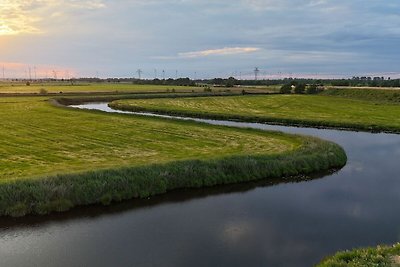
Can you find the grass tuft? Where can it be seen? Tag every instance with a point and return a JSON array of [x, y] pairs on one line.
[[381, 256]]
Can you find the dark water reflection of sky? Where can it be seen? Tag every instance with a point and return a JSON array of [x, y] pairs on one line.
[[294, 224]]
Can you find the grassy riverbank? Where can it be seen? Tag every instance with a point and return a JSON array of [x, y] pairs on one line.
[[382, 256], [53, 158], [302, 110]]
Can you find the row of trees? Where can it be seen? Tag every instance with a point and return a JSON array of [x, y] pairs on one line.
[[231, 81], [353, 82], [300, 88]]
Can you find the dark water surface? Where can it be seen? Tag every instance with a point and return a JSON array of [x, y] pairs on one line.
[[256, 224]]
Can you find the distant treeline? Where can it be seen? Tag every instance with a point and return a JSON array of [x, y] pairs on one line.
[[231, 81]]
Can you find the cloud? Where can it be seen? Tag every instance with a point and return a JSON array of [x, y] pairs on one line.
[[219, 52], [22, 16]]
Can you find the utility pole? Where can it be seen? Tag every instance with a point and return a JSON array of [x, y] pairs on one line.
[[139, 72], [256, 71], [4, 76], [176, 74], [34, 71], [155, 74], [30, 74], [163, 74], [55, 74]]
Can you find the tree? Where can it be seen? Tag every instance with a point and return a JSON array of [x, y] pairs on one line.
[[300, 88], [312, 89], [230, 82]]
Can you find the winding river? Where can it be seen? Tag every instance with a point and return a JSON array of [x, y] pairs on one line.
[[255, 224]]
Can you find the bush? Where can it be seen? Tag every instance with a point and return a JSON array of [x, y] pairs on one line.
[[312, 89], [300, 88], [286, 89], [43, 91]]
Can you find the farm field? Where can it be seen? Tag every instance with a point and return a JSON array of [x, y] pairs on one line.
[[105, 87], [304, 110], [40, 139], [66, 87]]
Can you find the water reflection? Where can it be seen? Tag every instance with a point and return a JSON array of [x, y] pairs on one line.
[[293, 224]]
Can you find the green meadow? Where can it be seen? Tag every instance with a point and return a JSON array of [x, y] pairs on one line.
[[68, 87], [53, 158], [103, 87], [40, 139], [304, 110]]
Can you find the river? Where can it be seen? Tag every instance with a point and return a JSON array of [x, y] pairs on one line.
[[254, 224]]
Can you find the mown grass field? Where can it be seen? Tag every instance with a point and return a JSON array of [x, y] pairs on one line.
[[105, 87], [38, 139], [306, 110], [54, 158], [382, 256]]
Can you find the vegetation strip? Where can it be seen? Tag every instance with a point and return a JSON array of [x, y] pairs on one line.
[[382, 256], [297, 110]]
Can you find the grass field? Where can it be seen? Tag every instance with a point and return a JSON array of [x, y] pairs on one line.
[[105, 87], [66, 87], [39, 139], [306, 110], [382, 256], [53, 158]]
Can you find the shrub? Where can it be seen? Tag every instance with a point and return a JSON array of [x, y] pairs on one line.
[[286, 89], [312, 89], [300, 88]]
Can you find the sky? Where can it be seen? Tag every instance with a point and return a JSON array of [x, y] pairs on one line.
[[199, 38]]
